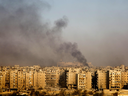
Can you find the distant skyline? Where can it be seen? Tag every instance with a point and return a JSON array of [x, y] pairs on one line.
[[99, 27]]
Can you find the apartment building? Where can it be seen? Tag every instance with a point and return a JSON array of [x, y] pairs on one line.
[[24, 79], [39, 79], [115, 79], [124, 79], [89, 80], [2, 79], [84, 81], [20, 79], [52, 77], [62, 80], [101, 79], [35, 79], [81, 81], [71, 78], [7, 79], [13, 79], [29, 79]]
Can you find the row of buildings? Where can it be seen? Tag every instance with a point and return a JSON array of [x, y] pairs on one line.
[[23, 78], [112, 79], [14, 78], [35, 77]]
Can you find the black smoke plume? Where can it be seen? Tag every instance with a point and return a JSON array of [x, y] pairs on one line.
[[27, 39], [68, 47]]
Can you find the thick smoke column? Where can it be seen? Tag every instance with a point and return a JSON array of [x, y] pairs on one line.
[[27, 39], [73, 50]]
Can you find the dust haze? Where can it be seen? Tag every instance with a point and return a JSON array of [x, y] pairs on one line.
[[27, 39]]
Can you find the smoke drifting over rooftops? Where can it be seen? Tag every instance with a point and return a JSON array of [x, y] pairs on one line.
[[26, 39]]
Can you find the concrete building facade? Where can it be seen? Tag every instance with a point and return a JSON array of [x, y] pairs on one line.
[[39, 79], [13, 79], [84, 81], [29, 79], [114, 79], [71, 76], [101, 79], [2, 79], [124, 79], [52, 77], [20, 79]]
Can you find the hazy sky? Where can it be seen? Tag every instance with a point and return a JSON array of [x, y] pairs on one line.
[[46, 31], [99, 27]]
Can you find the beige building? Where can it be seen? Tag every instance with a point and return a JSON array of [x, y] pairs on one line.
[[71, 78], [20, 79], [101, 78], [29, 79], [35, 79], [81, 81], [69, 64], [39, 79], [36, 67], [2, 79], [13, 79], [24, 79], [122, 67], [124, 79], [52, 77], [114, 79], [89, 80], [16, 66], [7, 79], [84, 81]]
